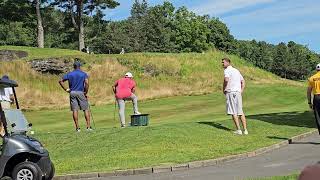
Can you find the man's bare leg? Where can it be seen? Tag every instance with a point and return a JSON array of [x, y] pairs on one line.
[[236, 121], [75, 118], [87, 116], [1, 129], [244, 121]]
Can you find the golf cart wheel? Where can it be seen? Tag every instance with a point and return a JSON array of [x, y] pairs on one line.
[[51, 174], [26, 171]]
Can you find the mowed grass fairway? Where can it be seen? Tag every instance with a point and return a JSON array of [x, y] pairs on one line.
[[182, 129]]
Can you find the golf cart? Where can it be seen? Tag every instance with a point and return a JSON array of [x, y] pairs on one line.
[[21, 156]]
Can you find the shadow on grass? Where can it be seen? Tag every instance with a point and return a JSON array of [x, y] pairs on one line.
[[216, 125], [291, 142], [298, 119], [313, 143], [276, 137]]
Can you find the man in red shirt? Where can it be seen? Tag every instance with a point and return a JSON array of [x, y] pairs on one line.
[[124, 89]]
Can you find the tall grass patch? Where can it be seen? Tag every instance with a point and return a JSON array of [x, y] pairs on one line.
[[157, 75]]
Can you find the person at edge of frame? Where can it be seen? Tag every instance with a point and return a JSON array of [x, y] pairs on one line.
[[314, 89], [6, 100]]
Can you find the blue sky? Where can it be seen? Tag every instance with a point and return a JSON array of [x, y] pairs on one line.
[[272, 21]]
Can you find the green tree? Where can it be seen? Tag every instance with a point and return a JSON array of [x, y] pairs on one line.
[[14, 33], [264, 60], [190, 31], [301, 61], [77, 9], [137, 25], [94, 31], [219, 35], [60, 32], [17, 11], [281, 63], [17, 23], [114, 37], [139, 9], [158, 28]]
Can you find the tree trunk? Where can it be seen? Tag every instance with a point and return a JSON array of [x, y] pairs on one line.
[[80, 23], [40, 36], [71, 5], [81, 36]]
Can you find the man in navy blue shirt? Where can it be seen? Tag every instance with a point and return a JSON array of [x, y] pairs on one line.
[[78, 89]]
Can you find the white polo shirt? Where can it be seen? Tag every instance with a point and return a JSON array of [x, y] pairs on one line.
[[5, 94], [235, 78]]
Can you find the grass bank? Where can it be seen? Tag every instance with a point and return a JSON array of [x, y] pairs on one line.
[[182, 129], [157, 75]]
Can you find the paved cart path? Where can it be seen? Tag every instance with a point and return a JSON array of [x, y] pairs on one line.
[[287, 160]]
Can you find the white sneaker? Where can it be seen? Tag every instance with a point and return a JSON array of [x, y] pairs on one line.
[[137, 113], [239, 132], [245, 132]]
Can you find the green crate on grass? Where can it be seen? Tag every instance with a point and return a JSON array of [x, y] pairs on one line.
[[140, 120]]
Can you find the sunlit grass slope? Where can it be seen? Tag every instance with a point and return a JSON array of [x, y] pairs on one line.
[[157, 75]]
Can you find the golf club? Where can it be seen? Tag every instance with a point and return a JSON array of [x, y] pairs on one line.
[[94, 125], [115, 107], [115, 104]]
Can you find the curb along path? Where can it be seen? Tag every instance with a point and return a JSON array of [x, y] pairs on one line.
[[185, 166]]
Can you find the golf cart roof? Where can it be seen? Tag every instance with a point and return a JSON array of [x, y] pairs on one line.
[[5, 82]]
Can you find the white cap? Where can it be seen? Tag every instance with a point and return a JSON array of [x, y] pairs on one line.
[[318, 67], [129, 74]]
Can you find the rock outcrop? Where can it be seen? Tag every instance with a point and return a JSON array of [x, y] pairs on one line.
[[52, 65], [10, 55]]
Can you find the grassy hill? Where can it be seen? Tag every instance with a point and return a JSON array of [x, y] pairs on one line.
[[157, 75]]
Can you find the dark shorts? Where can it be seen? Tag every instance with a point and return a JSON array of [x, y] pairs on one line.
[[78, 101], [316, 110]]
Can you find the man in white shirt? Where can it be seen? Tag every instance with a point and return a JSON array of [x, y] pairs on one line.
[[6, 99], [6, 96], [233, 87]]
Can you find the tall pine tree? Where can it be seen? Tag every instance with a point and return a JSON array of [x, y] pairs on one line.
[[77, 8]]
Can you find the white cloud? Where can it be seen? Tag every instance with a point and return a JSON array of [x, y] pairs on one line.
[[282, 19], [218, 7], [280, 12], [278, 32]]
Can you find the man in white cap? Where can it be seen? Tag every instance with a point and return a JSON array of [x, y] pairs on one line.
[[314, 88], [6, 99], [6, 95], [124, 89]]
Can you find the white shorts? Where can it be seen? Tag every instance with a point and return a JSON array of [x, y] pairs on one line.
[[234, 103]]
